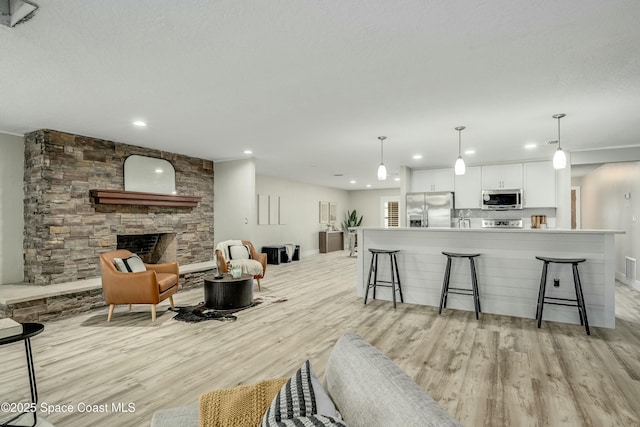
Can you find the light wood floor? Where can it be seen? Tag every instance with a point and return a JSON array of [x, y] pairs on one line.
[[499, 371]]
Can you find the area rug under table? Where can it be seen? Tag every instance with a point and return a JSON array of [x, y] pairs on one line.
[[200, 313]]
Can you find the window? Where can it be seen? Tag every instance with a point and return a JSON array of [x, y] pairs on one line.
[[391, 214], [389, 211]]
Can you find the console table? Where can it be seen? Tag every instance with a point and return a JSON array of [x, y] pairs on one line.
[[331, 241], [28, 330]]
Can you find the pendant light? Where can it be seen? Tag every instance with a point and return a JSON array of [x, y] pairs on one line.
[[459, 167], [382, 170], [559, 158]]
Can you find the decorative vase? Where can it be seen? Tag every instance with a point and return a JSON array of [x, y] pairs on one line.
[[236, 272]]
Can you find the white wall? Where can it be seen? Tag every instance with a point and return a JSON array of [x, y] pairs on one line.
[[604, 206], [301, 205], [236, 190], [367, 204], [234, 200], [405, 185], [11, 208], [563, 196]]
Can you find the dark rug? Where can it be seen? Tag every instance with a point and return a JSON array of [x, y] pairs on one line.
[[200, 313]]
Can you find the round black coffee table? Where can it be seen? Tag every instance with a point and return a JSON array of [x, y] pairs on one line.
[[227, 293]]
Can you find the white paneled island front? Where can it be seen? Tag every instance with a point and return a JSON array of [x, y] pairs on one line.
[[508, 272]]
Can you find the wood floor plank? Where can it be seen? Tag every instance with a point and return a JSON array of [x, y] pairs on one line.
[[496, 371], [518, 403]]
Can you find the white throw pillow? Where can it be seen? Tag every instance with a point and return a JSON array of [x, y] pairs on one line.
[[239, 252], [132, 264]]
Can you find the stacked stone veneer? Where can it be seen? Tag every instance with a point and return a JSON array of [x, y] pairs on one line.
[[72, 303], [65, 233]]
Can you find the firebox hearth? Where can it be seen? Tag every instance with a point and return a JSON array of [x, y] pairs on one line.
[[152, 248]]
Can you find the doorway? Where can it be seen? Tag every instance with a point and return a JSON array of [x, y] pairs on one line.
[[576, 221]]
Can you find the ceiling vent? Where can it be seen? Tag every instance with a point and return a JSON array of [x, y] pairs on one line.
[[14, 12]]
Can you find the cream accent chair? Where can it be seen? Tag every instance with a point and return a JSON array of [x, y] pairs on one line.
[[249, 266], [158, 283]]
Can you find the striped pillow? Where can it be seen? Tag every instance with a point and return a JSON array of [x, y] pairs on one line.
[[299, 400], [133, 264], [311, 421]]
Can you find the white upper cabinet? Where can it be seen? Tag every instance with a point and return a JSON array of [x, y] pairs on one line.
[[468, 189], [507, 176], [442, 179], [539, 185], [419, 181], [432, 180]]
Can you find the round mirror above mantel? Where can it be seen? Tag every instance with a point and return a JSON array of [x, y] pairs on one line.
[[149, 175], [148, 181]]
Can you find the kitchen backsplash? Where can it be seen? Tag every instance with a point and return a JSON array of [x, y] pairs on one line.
[[476, 215]]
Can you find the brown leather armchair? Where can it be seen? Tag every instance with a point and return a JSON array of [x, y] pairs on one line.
[[260, 257], [158, 283]]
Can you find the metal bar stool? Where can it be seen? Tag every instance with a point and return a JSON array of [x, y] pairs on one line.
[[446, 290], [578, 301], [395, 277]]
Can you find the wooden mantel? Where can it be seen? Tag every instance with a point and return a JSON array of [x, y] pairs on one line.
[[119, 197]]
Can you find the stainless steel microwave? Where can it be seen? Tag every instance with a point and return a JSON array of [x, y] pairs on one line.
[[502, 199]]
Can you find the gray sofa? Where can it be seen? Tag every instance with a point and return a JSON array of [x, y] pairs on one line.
[[368, 389]]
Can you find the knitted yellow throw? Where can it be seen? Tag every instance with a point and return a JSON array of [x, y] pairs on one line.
[[240, 406]]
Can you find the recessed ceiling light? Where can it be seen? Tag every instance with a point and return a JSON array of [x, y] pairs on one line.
[[470, 152], [417, 156], [368, 185], [530, 146], [353, 181], [159, 170], [248, 152], [396, 179], [140, 123]]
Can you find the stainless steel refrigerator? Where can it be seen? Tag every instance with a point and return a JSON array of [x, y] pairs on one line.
[[430, 209]]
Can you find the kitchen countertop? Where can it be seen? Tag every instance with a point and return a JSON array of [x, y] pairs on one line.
[[498, 230]]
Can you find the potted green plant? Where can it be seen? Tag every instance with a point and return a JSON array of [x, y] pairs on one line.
[[351, 220]]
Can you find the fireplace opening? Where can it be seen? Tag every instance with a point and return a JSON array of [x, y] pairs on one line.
[[152, 248]]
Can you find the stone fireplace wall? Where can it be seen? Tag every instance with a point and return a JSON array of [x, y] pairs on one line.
[[65, 233]]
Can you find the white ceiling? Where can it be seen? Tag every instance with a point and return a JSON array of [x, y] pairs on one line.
[[310, 85]]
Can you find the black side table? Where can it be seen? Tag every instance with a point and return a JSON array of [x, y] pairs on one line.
[[278, 253], [228, 293], [294, 257], [28, 330], [273, 253]]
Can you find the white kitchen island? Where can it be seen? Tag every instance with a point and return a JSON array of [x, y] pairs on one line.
[[508, 272]]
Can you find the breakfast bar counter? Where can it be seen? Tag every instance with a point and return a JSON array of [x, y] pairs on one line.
[[508, 272]]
